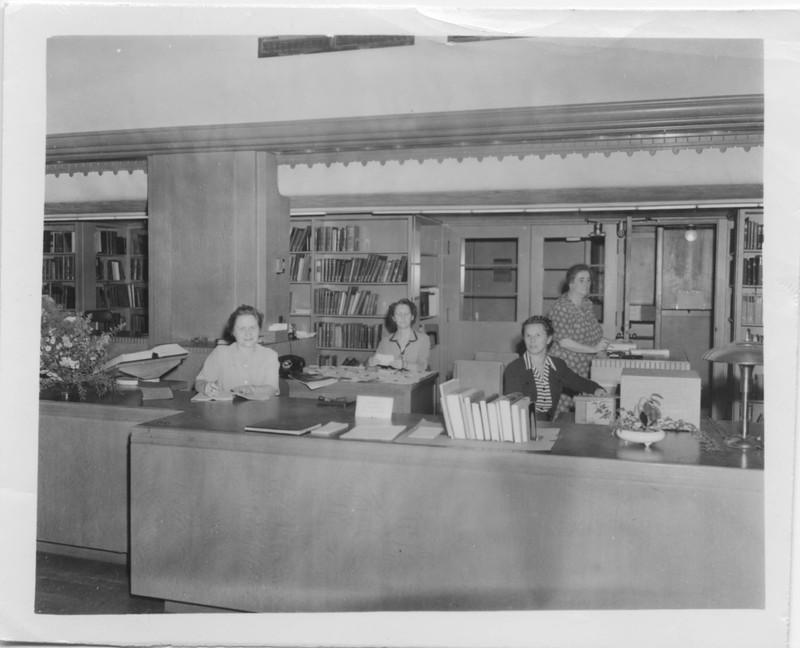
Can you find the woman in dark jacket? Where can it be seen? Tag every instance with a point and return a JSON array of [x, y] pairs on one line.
[[540, 376]]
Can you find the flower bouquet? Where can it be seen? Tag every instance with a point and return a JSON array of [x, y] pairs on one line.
[[70, 355], [644, 423]]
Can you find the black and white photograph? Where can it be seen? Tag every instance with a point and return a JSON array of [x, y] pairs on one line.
[[399, 326]]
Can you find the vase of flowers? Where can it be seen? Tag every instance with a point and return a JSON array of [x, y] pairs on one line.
[[644, 423], [71, 355]]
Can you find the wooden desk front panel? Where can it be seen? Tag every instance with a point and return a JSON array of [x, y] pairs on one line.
[[83, 473], [266, 523]]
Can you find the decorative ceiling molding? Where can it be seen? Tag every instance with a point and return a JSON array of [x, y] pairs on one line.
[[106, 166], [673, 124], [598, 198]]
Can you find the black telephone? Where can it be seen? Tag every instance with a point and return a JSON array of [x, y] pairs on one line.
[[291, 364]]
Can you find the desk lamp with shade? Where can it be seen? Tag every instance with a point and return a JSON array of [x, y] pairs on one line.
[[747, 354]]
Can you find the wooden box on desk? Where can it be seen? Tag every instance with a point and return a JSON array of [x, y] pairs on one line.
[[679, 391], [587, 408]]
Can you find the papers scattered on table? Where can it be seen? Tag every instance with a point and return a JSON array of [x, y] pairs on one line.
[[545, 438], [222, 396], [374, 432], [314, 381], [330, 429], [426, 429], [384, 359]]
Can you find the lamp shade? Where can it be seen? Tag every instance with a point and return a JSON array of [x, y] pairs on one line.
[[740, 352]]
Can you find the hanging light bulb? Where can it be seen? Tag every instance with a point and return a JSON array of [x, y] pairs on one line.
[[690, 234]]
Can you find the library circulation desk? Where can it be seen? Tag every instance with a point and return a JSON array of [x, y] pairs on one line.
[[273, 523]]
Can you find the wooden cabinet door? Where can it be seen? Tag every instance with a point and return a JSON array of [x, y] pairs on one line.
[[478, 316]]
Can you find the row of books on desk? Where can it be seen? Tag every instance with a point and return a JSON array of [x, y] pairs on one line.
[[472, 415]]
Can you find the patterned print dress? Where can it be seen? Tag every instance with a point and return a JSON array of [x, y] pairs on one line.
[[578, 324]]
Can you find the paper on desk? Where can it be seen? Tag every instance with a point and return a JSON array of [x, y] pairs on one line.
[[426, 429], [374, 432], [546, 437], [223, 396]]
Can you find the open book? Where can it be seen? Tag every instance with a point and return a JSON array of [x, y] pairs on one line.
[[160, 351], [149, 364]]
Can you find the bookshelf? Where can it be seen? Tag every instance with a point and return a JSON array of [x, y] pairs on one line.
[[59, 267], [748, 298], [345, 271], [99, 265]]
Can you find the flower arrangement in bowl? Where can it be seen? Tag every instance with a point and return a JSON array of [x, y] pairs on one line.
[[644, 423], [70, 354]]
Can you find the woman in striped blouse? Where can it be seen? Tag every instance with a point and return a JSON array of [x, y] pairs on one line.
[[541, 376]]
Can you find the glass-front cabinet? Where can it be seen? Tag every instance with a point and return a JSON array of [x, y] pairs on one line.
[[490, 279]]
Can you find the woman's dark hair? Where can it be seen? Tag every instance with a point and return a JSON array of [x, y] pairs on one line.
[[539, 319], [389, 319], [244, 309], [573, 272]]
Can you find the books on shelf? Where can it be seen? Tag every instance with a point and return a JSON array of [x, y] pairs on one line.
[[351, 301], [62, 294], [372, 268], [753, 309], [108, 241], [344, 238], [753, 235], [753, 271], [139, 242], [58, 242], [300, 238], [58, 268], [429, 302], [348, 335]]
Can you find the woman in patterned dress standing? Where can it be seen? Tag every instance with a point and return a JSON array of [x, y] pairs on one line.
[[578, 335]]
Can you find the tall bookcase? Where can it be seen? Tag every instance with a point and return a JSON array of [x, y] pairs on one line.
[[345, 271], [60, 268], [99, 266], [748, 297]]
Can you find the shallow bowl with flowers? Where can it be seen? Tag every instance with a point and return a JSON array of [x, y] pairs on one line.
[[641, 436]]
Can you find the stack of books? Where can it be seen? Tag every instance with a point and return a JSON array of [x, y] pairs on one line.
[[469, 414]]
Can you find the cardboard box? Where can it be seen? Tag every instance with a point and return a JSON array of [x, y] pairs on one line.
[[609, 370], [679, 391], [587, 408]]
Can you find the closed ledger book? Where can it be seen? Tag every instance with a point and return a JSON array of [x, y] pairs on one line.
[[283, 427]]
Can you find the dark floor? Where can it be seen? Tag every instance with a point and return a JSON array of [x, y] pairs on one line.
[[66, 585]]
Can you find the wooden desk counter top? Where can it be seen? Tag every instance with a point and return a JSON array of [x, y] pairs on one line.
[[273, 523]]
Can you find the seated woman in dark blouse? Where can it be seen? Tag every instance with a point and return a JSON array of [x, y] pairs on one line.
[[540, 376]]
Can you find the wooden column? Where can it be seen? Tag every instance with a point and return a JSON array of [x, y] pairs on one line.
[[217, 226]]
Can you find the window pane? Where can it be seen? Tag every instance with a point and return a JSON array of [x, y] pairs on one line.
[[490, 280]]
